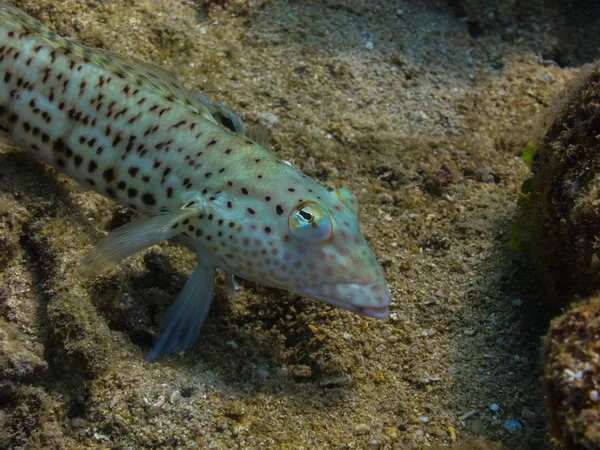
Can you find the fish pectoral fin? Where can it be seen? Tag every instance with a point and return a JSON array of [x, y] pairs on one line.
[[186, 315], [130, 239]]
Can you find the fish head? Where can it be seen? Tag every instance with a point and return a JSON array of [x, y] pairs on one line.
[[308, 240], [341, 269]]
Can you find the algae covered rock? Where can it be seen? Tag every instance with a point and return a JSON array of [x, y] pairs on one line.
[[565, 198], [572, 375]]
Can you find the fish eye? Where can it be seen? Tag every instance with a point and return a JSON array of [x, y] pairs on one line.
[[310, 222], [348, 199]]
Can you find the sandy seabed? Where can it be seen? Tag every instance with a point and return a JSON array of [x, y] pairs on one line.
[[422, 112]]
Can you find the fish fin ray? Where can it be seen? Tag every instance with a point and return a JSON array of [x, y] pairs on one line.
[[130, 239], [260, 135]]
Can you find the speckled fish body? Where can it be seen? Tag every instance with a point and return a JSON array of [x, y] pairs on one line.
[[131, 132]]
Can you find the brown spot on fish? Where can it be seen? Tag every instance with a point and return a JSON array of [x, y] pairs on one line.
[[178, 124], [58, 145], [149, 199], [134, 118], [121, 113], [109, 175]]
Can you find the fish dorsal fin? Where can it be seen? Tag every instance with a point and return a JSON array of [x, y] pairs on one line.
[[139, 72], [223, 116], [260, 135]]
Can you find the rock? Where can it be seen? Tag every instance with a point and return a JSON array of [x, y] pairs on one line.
[[572, 375], [20, 356], [563, 206]]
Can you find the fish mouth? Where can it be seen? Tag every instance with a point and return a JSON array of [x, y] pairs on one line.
[[377, 312], [369, 300]]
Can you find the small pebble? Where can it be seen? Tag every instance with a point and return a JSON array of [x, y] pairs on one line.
[[594, 396], [513, 426], [362, 428], [494, 407], [334, 381], [174, 396], [268, 119], [386, 198], [468, 415], [369, 45], [424, 419], [300, 372], [77, 422], [374, 445]]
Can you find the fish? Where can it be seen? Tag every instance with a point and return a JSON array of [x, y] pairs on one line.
[[132, 132]]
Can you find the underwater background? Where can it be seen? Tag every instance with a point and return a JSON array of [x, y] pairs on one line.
[[423, 110]]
